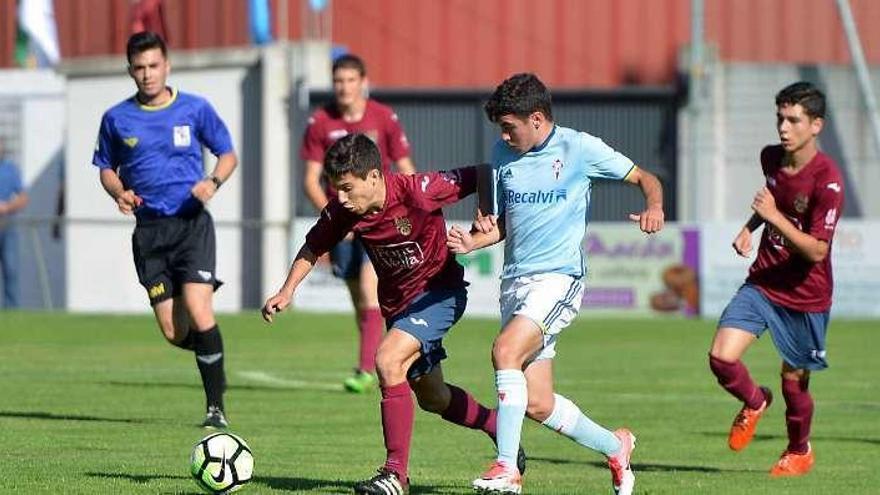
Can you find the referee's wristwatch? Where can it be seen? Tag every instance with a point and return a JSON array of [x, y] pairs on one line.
[[216, 180]]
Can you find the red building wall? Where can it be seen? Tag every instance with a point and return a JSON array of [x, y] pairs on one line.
[[467, 43], [7, 33]]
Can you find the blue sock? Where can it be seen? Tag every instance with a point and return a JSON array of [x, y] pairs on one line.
[[567, 419], [512, 401]]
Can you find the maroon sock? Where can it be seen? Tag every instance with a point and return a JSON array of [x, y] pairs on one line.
[[370, 328], [398, 414], [734, 377], [464, 410], [798, 413]]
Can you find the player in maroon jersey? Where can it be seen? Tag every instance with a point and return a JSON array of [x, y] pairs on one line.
[[788, 289], [352, 112], [421, 289]]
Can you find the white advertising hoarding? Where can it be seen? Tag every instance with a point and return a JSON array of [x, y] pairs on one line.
[[625, 271], [854, 260]]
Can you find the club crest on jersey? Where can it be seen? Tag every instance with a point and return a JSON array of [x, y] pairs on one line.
[[131, 142], [801, 202], [557, 167], [182, 136], [403, 225]]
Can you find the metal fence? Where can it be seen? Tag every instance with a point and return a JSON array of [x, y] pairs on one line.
[[448, 129], [41, 263]]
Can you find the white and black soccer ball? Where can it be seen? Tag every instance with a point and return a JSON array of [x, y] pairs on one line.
[[221, 463]]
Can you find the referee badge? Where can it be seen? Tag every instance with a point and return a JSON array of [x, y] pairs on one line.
[[404, 226], [181, 136]]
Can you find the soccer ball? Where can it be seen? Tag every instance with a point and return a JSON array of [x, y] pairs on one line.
[[221, 463]]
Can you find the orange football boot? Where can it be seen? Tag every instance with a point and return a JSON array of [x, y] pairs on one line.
[[744, 424], [793, 464]]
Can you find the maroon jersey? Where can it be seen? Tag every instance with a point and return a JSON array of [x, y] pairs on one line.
[[406, 239], [812, 200], [379, 123]]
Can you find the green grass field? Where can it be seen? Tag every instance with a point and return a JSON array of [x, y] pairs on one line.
[[100, 404]]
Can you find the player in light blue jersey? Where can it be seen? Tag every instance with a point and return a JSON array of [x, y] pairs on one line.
[[149, 154], [543, 176]]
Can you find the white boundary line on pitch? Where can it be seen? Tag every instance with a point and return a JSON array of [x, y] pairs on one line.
[[269, 379]]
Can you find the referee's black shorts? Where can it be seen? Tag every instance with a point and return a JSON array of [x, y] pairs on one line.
[[172, 251]]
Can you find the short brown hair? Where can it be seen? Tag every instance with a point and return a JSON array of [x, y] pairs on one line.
[[804, 94], [520, 95], [143, 41], [354, 154], [350, 61]]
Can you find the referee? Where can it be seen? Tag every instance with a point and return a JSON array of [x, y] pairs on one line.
[[149, 152]]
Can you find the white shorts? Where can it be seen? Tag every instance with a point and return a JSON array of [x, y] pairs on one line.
[[551, 300]]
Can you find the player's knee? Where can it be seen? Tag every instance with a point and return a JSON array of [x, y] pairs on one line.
[[799, 375], [187, 342], [431, 402], [204, 319], [716, 351], [167, 329], [389, 367], [506, 356], [719, 366], [713, 365], [539, 410]]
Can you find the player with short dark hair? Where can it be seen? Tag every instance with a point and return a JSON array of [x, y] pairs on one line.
[[350, 61], [149, 153], [143, 41], [789, 286], [421, 289], [543, 176], [350, 112]]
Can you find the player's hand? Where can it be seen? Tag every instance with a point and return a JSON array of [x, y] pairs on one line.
[[650, 221], [204, 190], [485, 223], [764, 204], [459, 241], [128, 201], [743, 243], [275, 304]]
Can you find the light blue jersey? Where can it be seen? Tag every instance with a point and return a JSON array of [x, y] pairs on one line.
[[544, 198]]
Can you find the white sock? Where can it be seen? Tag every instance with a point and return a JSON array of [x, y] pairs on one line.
[[567, 419], [512, 401]]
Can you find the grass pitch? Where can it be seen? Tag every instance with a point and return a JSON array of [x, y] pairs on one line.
[[100, 404]]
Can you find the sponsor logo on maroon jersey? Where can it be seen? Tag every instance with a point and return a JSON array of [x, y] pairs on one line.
[[404, 255]]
